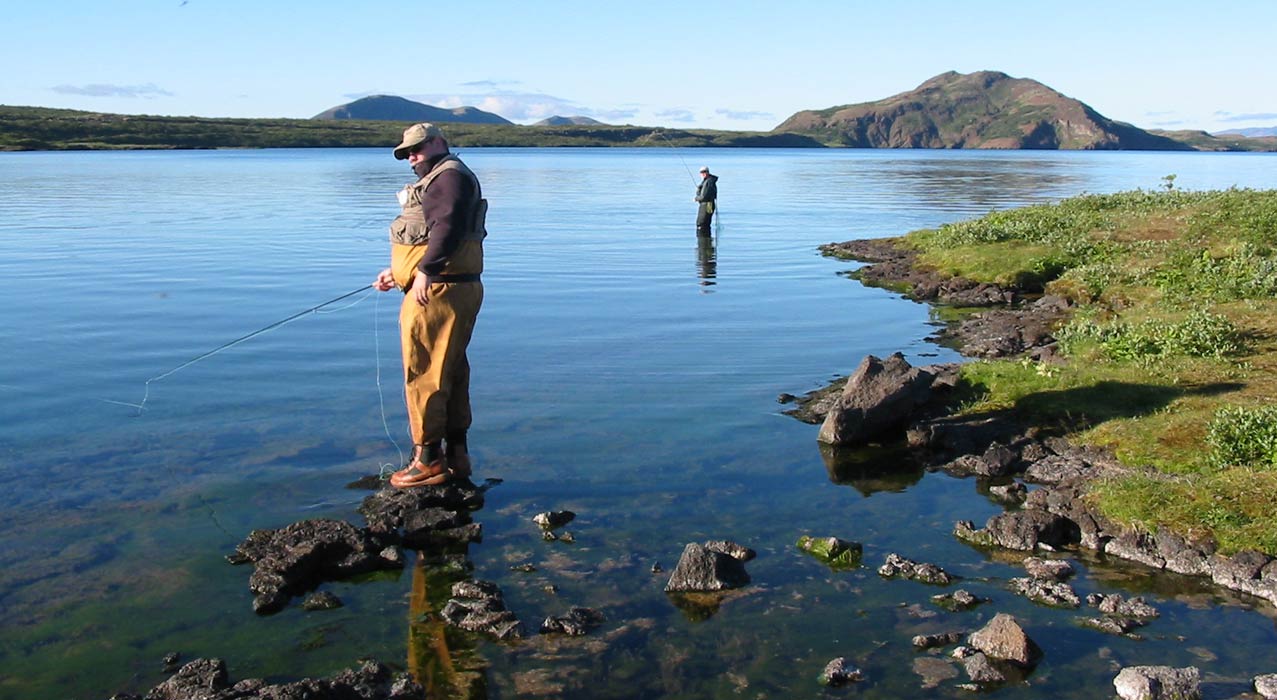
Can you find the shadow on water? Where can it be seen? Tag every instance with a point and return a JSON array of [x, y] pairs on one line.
[[870, 470]]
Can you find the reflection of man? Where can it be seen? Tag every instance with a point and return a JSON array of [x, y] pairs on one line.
[[706, 260], [707, 195], [442, 660], [436, 257]]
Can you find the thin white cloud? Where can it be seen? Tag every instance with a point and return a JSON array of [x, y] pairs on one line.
[[147, 91], [677, 115], [1254, 116], [738, 115]]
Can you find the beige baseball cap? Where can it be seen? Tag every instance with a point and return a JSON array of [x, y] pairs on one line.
[[416, 135]]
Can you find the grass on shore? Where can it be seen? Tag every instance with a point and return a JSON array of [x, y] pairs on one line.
[[1171, 353]]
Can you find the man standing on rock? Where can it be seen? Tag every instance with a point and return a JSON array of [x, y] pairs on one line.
[[436, 257], [707, 195]]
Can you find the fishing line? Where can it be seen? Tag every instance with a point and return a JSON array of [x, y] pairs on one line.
[[718, 220], [661, 133], [146, 394], [384, 467]]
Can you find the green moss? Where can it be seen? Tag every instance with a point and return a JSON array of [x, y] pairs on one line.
[[1170, 351]]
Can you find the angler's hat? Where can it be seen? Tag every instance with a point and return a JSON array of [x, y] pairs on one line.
[[704, 168], [416, 135]]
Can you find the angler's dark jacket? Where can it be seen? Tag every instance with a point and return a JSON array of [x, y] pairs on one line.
[[707, 191]]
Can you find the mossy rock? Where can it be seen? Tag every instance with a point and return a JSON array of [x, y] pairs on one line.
[[836, 553]]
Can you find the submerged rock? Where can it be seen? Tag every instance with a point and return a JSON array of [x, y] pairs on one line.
[[1158, 683], [575, 623], [713, 566], [552, 520], [897, 566], [206, 679], [835, 552], [321, 600], [1055, 594], [1048, 569], [942, 639], [478, 606], [840, 671], [1114, 604], [958, 600]]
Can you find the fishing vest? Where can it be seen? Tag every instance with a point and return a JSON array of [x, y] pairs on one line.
[[410, 228], [409, 232]]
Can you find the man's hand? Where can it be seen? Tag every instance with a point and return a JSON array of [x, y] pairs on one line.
[[419, 289], [385, 281]]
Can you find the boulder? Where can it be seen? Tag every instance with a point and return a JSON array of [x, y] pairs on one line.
[[880, 396], [1023, 530], [1003, 638], [390, 509], [1158, 683], [713, 566], [297, 558]]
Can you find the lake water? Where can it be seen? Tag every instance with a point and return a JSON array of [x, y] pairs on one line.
[[622, 370]]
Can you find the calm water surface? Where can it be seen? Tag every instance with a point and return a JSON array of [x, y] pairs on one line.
[[622, 370]]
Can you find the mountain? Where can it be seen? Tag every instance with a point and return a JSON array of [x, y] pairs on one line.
[[986, 109], [568, 121], [396, 109], [1254, 133]]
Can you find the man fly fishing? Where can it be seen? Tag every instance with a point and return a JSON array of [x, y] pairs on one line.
[[436, 258], [707, 195]]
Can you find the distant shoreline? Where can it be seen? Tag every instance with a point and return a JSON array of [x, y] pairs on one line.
[[46, 129]]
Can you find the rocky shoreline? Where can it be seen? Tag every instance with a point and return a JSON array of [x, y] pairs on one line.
[[896, 409], [1057, 515]]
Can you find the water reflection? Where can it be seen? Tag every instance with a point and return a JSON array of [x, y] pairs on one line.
[[872, 469], [443, 659], [707, 261]]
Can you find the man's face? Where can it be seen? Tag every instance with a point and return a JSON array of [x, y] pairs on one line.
[[424, 150]]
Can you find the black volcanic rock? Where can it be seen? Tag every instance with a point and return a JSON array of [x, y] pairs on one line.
[[397, 109]]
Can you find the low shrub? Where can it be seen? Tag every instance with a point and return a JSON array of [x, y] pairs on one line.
[[1244, 437]]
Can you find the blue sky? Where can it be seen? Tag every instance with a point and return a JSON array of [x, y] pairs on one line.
[[721, 65]]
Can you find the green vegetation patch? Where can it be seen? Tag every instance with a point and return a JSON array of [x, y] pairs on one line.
[[1171, 352]]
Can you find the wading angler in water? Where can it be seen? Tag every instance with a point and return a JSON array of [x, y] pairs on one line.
[[707, 196], [436, 257]]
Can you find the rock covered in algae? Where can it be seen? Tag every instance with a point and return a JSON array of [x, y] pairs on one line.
[[835, 552]]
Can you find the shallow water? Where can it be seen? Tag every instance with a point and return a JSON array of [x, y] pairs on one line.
[[623, 370]]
